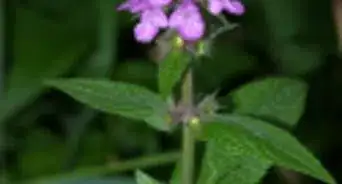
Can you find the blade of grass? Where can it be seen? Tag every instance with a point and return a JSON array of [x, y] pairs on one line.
[[139, 163]]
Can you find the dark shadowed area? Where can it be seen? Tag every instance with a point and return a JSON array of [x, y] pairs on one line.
[[48, 137]]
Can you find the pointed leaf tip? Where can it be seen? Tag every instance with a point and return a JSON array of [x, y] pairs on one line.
[[261, 140], [143, 178]]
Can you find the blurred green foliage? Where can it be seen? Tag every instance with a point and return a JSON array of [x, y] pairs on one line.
[[45, 132]]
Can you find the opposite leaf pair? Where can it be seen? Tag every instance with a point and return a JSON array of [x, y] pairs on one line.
[[249, 146]]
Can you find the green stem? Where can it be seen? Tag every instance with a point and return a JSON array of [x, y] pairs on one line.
[[106, 34], [188, 138], [141, 163]]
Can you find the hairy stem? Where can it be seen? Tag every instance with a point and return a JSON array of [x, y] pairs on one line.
[[188, 138]]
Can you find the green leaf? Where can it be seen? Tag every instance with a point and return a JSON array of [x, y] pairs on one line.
[[177, 174], [143, 178], [119, 98], [224, 162], [275, 98], [261, 141], [42, 49], [171, 70]]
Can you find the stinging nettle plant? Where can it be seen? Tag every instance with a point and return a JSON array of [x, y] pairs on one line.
[[241, 145]]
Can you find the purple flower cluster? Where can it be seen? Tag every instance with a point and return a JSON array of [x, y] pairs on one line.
[[186, 19]]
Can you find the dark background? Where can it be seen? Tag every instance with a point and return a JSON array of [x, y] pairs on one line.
[[45, 132]]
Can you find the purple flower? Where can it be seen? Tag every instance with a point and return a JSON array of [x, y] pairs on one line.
[[155, 16], [137, 6], [133, 6], [145, 32], [187, 20], [231, 6], [152, 17], [159, 3], [151, 20]]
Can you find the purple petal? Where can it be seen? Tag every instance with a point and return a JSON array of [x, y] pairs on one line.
[[140, 5], [145, 32], [156, 17], [134, 6], [192, 29], [175, 19], [234, 7], [188, 6], [124, 6], [187, 20], [159, 3], [183, 12], [215, 7]]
